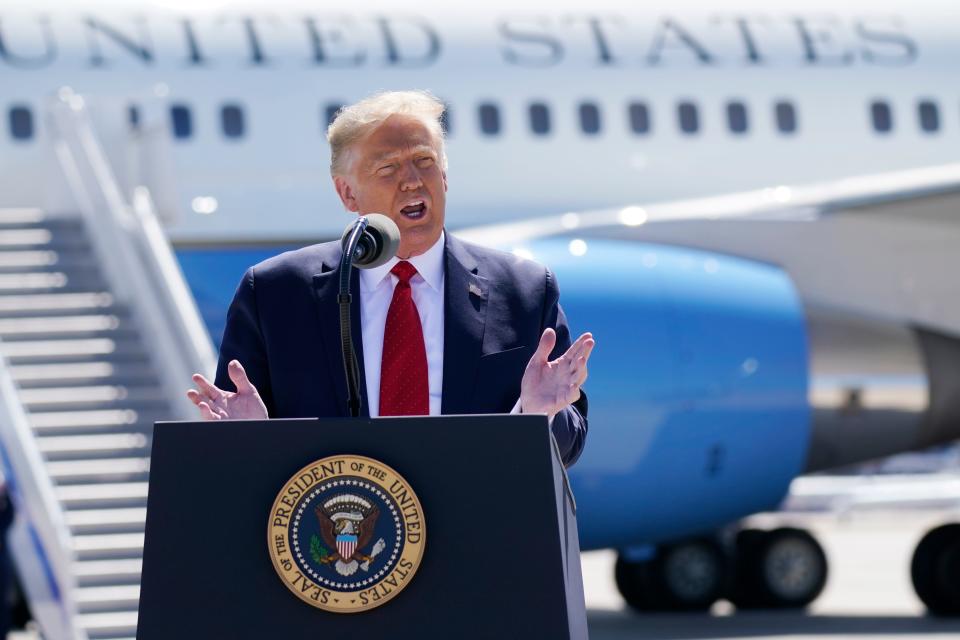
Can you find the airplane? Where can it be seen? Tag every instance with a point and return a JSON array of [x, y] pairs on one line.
[[604, 126]]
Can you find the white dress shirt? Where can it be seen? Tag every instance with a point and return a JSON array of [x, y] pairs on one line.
[[376, 293]]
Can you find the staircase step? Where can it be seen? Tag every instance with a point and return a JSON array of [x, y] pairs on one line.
[[41, 348], [43, 237], [97, 397], [89, 394], [25, 237], [19, 261], [90, 599], [100, 626], [22, 282], [125, 332], [27, 259], [75, 350], [121, 445], [22, 215], [28, 325], [86, 278], [65, 471], [46, 375], [26, 219], [88, 521], [102, 547], [103, 496], [11, 305], [103, 572], [90, 418]]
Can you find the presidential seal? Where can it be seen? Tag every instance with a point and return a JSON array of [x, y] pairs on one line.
[[346, 534]]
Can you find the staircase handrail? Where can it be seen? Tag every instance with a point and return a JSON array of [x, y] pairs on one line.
[[39, 538], [136, 256]]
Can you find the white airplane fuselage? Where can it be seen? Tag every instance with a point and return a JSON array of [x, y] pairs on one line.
[[285, 64]]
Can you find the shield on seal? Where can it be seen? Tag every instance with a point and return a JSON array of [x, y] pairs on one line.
[[346, 545]]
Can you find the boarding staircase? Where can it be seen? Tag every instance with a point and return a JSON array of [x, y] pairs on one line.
[[98, 335]]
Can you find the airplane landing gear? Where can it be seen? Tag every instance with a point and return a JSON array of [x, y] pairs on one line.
[[936, 570], [685, 576], [780, 569]]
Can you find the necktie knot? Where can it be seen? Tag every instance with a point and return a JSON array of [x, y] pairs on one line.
[[404, 271]]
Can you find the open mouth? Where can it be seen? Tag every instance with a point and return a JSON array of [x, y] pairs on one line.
[[414, 210]]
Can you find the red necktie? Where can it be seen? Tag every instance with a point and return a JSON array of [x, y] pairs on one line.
[[404, 390]]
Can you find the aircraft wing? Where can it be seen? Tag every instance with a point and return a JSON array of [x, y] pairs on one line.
[[884, 245], [930, 194]]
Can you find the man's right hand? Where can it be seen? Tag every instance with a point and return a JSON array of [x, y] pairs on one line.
[[216, 404]]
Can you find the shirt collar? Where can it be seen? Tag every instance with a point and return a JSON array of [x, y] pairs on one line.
[[429, 265]]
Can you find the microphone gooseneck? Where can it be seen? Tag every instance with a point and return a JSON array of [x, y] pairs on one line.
[[368, 242]]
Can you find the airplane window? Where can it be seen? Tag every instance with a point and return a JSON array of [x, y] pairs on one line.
[[182, 121], [231, 121], [639, 116], [929, 116], [737, 117], [688, 117], [329, 113], [133, 117], [786, 116], [446, 119], [590, 118], [21, 123], [539, 118], [881, 116], [489, 119]]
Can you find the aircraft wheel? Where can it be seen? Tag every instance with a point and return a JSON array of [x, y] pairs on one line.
[[685, 576], [780, 569], [936, 570]]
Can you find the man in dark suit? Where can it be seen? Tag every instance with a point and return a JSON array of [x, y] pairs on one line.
[[446, 326]]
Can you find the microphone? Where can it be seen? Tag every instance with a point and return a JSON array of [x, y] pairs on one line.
[[378, 242], [368, 242]]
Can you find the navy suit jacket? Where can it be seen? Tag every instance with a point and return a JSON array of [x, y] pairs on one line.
[[284, 327]]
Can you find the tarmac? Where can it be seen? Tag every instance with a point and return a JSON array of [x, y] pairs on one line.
[[868, 595]]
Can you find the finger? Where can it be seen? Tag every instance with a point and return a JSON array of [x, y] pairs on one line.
[[583, 343], [207, 413], [588, 346], [239, 377], [207, 388], [576, 349], [581, 375], [586, 350], [547, 341], [194, 396]]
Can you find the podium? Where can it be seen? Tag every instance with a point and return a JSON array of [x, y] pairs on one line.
[[500, 556]]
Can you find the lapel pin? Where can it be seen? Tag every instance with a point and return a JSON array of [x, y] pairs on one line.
[[474, 288]]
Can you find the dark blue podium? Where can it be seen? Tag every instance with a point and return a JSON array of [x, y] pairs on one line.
[[500, 559]]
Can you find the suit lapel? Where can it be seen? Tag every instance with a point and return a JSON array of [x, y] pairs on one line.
[[465, 308], [326, 286]]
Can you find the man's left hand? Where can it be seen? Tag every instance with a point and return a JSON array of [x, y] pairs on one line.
[[547, 387]]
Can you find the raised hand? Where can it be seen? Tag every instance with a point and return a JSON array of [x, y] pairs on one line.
[[547, 387], [216, 404]]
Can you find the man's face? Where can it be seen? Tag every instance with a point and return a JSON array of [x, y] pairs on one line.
[[396, 170]]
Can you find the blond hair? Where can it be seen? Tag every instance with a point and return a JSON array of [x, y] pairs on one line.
[[354, 121]]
